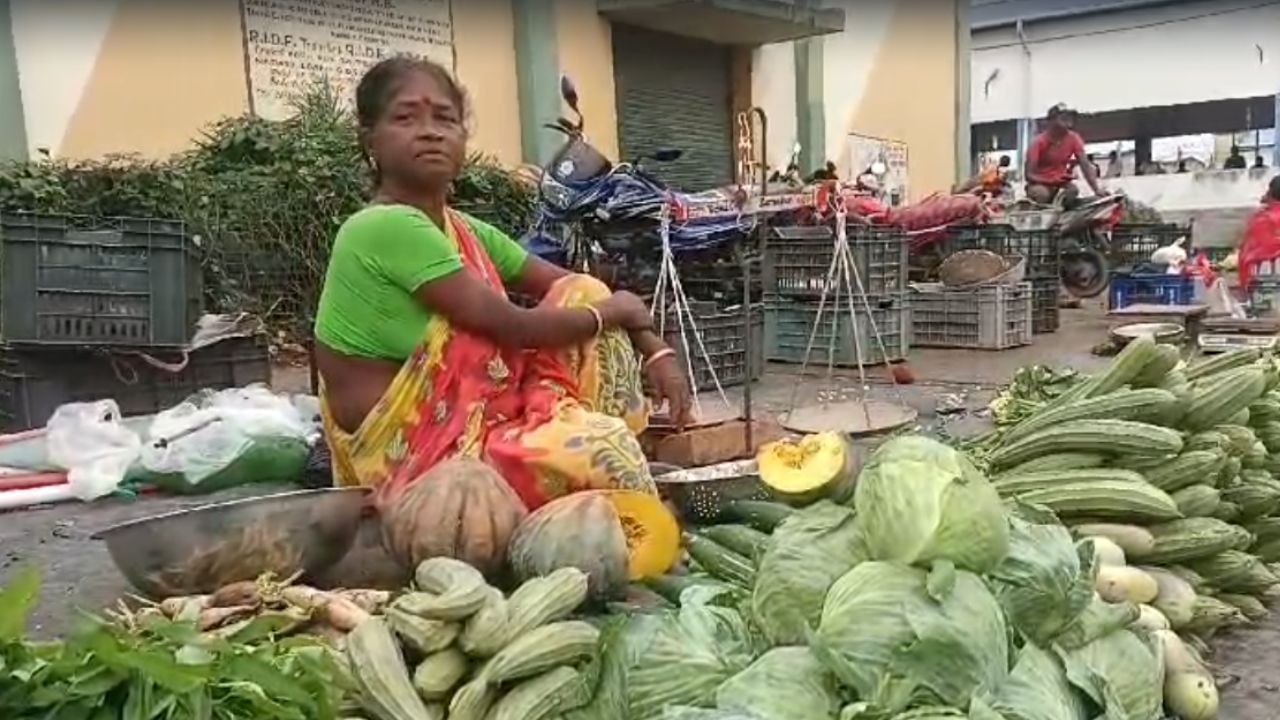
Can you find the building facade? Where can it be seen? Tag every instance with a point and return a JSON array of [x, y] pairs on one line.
[[1167, 85], [86, 78]]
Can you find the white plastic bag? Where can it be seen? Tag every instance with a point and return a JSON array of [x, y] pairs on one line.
[[96, 449], [1172, 256], [205, 434]]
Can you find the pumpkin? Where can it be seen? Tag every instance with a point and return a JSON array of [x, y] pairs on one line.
[[809, 469], [614, 536], [460, 509]]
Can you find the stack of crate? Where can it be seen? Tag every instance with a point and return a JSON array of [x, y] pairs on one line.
[[725, 344], [874, 328], [1039, 247], [991, 317], [103, 308]]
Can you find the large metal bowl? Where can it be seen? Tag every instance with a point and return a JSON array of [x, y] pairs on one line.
[[200, 550]]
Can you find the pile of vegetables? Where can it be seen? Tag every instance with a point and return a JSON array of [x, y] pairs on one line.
[[1073, 565]]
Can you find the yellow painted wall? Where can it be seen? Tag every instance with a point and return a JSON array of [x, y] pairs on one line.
[[165, 70], [586, 54], [910, 92], [484, 48], [156, 82]]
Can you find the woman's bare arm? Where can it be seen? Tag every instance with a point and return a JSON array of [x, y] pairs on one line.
[[474, 306], [537, 276]]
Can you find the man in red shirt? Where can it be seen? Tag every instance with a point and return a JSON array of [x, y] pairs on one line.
[[1052, 159], [1261, 235]]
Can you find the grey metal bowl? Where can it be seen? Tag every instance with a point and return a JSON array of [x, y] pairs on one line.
[[200, 550]]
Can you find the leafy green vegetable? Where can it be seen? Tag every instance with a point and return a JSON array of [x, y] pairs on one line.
[[1045, 581], [900, 637], [161, 670], [809, 552], [681, 658], [1122, 672], [919, 501], [1098, 619], [784, 684], [1037, 689]]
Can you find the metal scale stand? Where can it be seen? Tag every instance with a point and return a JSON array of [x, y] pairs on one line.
[[837, 411], [751, 124], [1225, 334]]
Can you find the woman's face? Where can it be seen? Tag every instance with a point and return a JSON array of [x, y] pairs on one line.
[[420, 138]]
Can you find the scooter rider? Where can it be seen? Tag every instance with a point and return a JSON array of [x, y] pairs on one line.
[[1052, 159]]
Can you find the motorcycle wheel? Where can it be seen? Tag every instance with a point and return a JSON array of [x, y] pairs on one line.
[[1085, 272]]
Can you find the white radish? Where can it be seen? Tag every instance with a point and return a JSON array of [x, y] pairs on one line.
[[1125, 584], [1106, 552], [1151, 619]]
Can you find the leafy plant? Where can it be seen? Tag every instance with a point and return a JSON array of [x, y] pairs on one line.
[[265, 199], [163, 670]]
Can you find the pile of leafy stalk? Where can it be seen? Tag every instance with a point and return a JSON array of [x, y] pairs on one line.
[[160, 670], [1030, 389]]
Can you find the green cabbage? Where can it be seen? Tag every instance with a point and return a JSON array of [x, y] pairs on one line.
[[919, 501], [1098, 620], [784, 684], [1123, 673], [1045, 581], [809, 552], [901, 637], [691, 713], [1037, 689], [682, 657]]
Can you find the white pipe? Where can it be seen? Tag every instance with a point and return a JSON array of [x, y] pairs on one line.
[[20, 499]]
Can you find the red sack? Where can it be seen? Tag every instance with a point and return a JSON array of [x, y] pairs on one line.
[[937, 211]]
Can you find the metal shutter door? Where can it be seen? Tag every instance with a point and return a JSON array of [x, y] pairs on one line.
[[675, 92]]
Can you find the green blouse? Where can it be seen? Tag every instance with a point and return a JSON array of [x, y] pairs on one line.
[[380, 258]]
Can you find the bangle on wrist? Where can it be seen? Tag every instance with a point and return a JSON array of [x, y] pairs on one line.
[[595, 315], [663, 353]]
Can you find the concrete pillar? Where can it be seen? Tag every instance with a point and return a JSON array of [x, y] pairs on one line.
[[964, 66], [537, 77], [811, 113], [1275, 137], [13, 123], [1026, 133]]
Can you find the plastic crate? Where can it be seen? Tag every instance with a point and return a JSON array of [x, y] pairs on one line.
[[1040, 247], [723, 338], [1132, 244], [994, 317], [34, 383], [797, 260], [789, 325], [1150, 288], [1264, 295], [1045, 313], [122, 281]]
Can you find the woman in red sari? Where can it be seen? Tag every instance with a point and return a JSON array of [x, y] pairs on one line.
[[421, 355]]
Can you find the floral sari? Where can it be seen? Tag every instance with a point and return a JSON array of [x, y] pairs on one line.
[[551, 422]]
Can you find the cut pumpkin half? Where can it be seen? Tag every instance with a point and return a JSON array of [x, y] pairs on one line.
[[808, 469]]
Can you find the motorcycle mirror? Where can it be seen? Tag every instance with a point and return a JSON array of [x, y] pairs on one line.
[[569, 92], [668, 155]]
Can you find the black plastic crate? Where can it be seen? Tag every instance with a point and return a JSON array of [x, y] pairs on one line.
[[120, 281], [723, 333], [991, 317], [34, 383], [1045, 314], [797, 260], [789, 324], [1040, 247], [1132, 244]]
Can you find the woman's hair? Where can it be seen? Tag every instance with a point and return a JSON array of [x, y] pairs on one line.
[[1273, 189], [380, 83]]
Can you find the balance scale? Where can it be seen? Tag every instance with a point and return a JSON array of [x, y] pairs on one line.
[[1225, 334]]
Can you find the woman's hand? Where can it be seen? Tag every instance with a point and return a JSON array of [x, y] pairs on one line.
[[668, 383], [625, 310]]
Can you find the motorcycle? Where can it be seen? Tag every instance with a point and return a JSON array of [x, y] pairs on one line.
[[1085, 231], [600, 217]]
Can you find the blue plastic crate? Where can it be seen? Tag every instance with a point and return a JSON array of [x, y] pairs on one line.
[[1150, 288]]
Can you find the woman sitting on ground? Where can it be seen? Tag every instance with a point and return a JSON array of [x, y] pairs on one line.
[[422, 356]]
